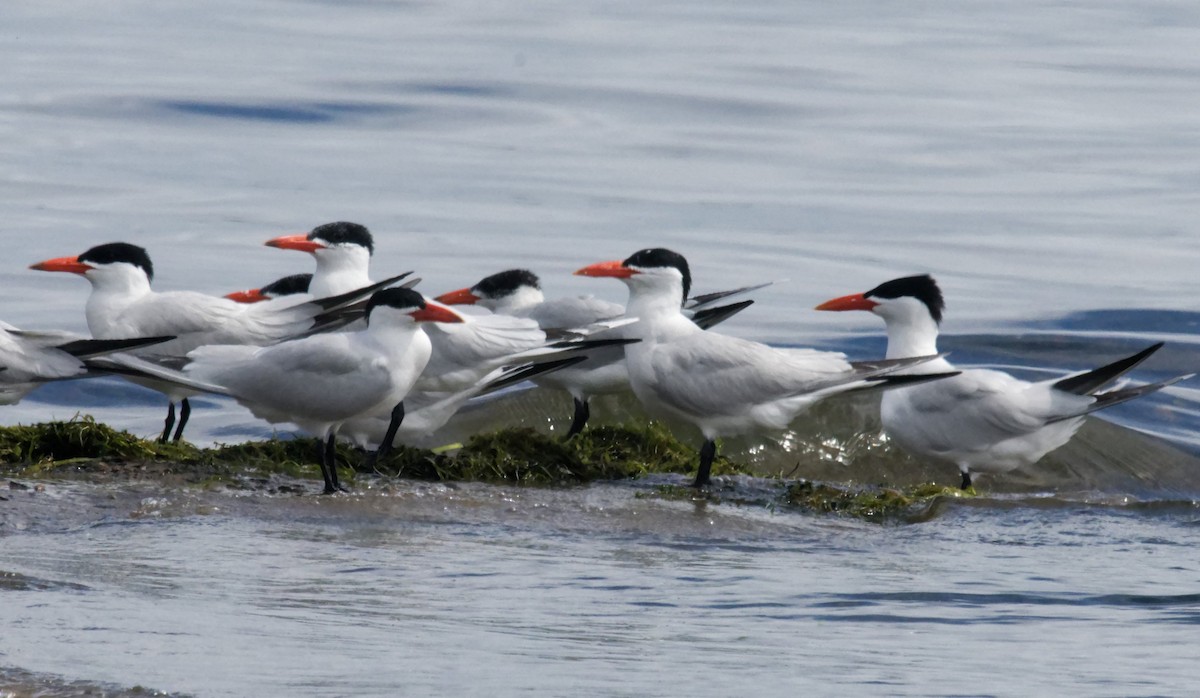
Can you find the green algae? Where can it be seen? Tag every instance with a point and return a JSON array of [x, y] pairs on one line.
[[645, 449], [79, 438], [879, 503], [527, 457], [519, 456]]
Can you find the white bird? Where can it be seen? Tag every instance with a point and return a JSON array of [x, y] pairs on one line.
[[518, 292], [467, 356], [723, 385], [981, 420], [342, 252], [31, 358], [122, 305], [322, 381], [463, 353]]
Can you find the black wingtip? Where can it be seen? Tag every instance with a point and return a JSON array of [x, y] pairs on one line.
[[708, 317], [1116, 397], [527, 371], [588, 344], [350, 296], [85, 348], [708, 298], [1090, 382]]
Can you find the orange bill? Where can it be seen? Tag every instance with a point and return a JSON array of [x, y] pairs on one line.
[[68, 264], [295, 242], [434, 312], [462, 296], [854, 301], [253, 295], [614, 268]]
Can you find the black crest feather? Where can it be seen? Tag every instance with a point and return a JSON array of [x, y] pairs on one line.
[[341, 231], [922, 287], [662, 257], [395, 298], [503, 283], [114, 252], [288, 285]]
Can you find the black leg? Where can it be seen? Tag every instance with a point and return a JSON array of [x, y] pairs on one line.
[[582, 412], [389, 436], [170, 423], [329, 466], [185, 411], [707, 452], [966, 481]]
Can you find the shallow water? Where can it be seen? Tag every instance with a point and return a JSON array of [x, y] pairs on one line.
[[1039, 159], [473, 589]]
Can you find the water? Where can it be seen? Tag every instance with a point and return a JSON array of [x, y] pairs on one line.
[[485, 590], [1039, 159]]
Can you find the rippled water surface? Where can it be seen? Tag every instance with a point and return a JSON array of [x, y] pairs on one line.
[[484, 590], [1041, 159]]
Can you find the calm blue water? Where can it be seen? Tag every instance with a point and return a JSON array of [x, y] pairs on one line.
[[1042, 160]]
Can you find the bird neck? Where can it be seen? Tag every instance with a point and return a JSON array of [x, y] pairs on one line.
[[519, 301], [397, 334], [915, 336], [111, 295], [653, 306], [118, 283], [659, 315], [339, 273]]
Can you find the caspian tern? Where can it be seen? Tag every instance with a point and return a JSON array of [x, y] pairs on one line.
[[123, 305], [518, 292], [322, 381], [723, 385], [424, 412], [982, 420], [343, 254], [463, 353], [294, 287], [30, 358]]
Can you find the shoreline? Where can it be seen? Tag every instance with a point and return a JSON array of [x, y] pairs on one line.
[[83, 449]]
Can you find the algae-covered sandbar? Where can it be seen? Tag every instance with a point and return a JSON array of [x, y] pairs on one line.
[[83, 448]]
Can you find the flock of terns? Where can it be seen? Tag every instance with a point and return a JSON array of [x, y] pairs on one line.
[[379, 364]]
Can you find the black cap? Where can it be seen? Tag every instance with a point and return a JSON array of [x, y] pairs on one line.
[[287, 286], [505, 283], [334, 233], [662, 257], [402, 298], [114, 252], [921, 287]]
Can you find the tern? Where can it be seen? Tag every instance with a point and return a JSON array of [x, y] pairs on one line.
[[982, 420], [723, 385], [463, 353], [322, 381], [293, 288], [342, 251], [424, 412], [30, 358], [518, 292], [123, 305]]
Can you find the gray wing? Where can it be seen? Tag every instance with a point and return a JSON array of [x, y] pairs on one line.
[[325, 376], [709, 374], [980, 407], [566, 313]]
